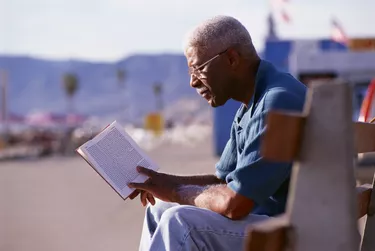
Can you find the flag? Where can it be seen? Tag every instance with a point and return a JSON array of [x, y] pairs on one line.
[[279, 7], [337, 33], [285, 16], [367, 108]]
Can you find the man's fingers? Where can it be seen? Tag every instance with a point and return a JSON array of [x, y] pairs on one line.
[[144, 198], [151, 198], [146, 171], [134, 194], [140, 186]]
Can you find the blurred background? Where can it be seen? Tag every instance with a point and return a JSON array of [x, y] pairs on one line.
[[69, 68]]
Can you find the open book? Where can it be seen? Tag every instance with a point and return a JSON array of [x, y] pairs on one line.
[[114, 155]]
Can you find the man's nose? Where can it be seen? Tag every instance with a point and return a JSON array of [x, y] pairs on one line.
[[194, 81]]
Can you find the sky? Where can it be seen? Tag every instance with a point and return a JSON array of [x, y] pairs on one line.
[[109, 30]]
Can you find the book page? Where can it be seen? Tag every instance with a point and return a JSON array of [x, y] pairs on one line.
[[115, 156]]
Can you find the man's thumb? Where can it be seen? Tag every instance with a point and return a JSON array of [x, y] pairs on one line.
[[146, 171]]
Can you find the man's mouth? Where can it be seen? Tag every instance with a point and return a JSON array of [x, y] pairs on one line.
[[206, 95], [204, 92]]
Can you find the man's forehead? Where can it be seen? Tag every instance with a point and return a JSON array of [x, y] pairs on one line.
[[194, 55]]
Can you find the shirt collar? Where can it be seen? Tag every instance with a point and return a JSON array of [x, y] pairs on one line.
[[259, 88], [260, 85]]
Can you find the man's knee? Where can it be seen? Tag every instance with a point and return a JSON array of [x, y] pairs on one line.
[[181, 215], [154, 214], [156, 211]]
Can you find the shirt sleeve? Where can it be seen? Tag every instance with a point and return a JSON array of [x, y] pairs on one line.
[[255, 177]]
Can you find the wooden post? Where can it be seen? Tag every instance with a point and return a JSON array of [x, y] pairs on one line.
[[368, 240], [364, 194], [322, 202], [282, 140], [274, 234]]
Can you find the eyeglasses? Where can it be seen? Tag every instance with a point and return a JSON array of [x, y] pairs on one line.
[[197, 70]]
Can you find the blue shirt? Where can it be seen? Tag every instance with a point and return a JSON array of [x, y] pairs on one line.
[[241, 165]]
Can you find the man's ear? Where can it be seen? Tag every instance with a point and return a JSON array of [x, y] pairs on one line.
[[233, 58]]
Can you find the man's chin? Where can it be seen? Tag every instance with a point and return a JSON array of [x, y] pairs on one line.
[[214, 103]]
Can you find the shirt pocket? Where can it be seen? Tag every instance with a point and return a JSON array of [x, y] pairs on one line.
[[249, 132], [242, 132]]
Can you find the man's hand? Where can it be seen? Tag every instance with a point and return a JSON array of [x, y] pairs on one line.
[[158, 185], [145, 196]]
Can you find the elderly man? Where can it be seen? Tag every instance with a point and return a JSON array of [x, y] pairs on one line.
[[212, 212]]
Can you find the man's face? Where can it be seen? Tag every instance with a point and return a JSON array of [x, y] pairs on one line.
[[208, 76]]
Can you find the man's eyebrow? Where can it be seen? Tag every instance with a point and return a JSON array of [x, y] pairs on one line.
[[194, 65], [191, 64], [198, 65]]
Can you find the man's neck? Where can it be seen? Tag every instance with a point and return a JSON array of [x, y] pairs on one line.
[[246, 86]]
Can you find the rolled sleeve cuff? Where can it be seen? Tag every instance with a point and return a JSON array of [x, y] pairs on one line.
[[220, 175], [235, 186]]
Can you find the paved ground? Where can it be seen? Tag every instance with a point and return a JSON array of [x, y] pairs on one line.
[[61, 204]]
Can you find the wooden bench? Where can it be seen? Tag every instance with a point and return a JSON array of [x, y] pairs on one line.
[[324, 204]]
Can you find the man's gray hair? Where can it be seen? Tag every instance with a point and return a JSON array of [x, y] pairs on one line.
[[217, 34]]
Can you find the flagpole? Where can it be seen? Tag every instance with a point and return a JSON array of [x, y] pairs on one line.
[[3, 95], [4, 108]]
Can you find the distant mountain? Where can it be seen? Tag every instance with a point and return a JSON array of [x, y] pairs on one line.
[[36, 85]]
